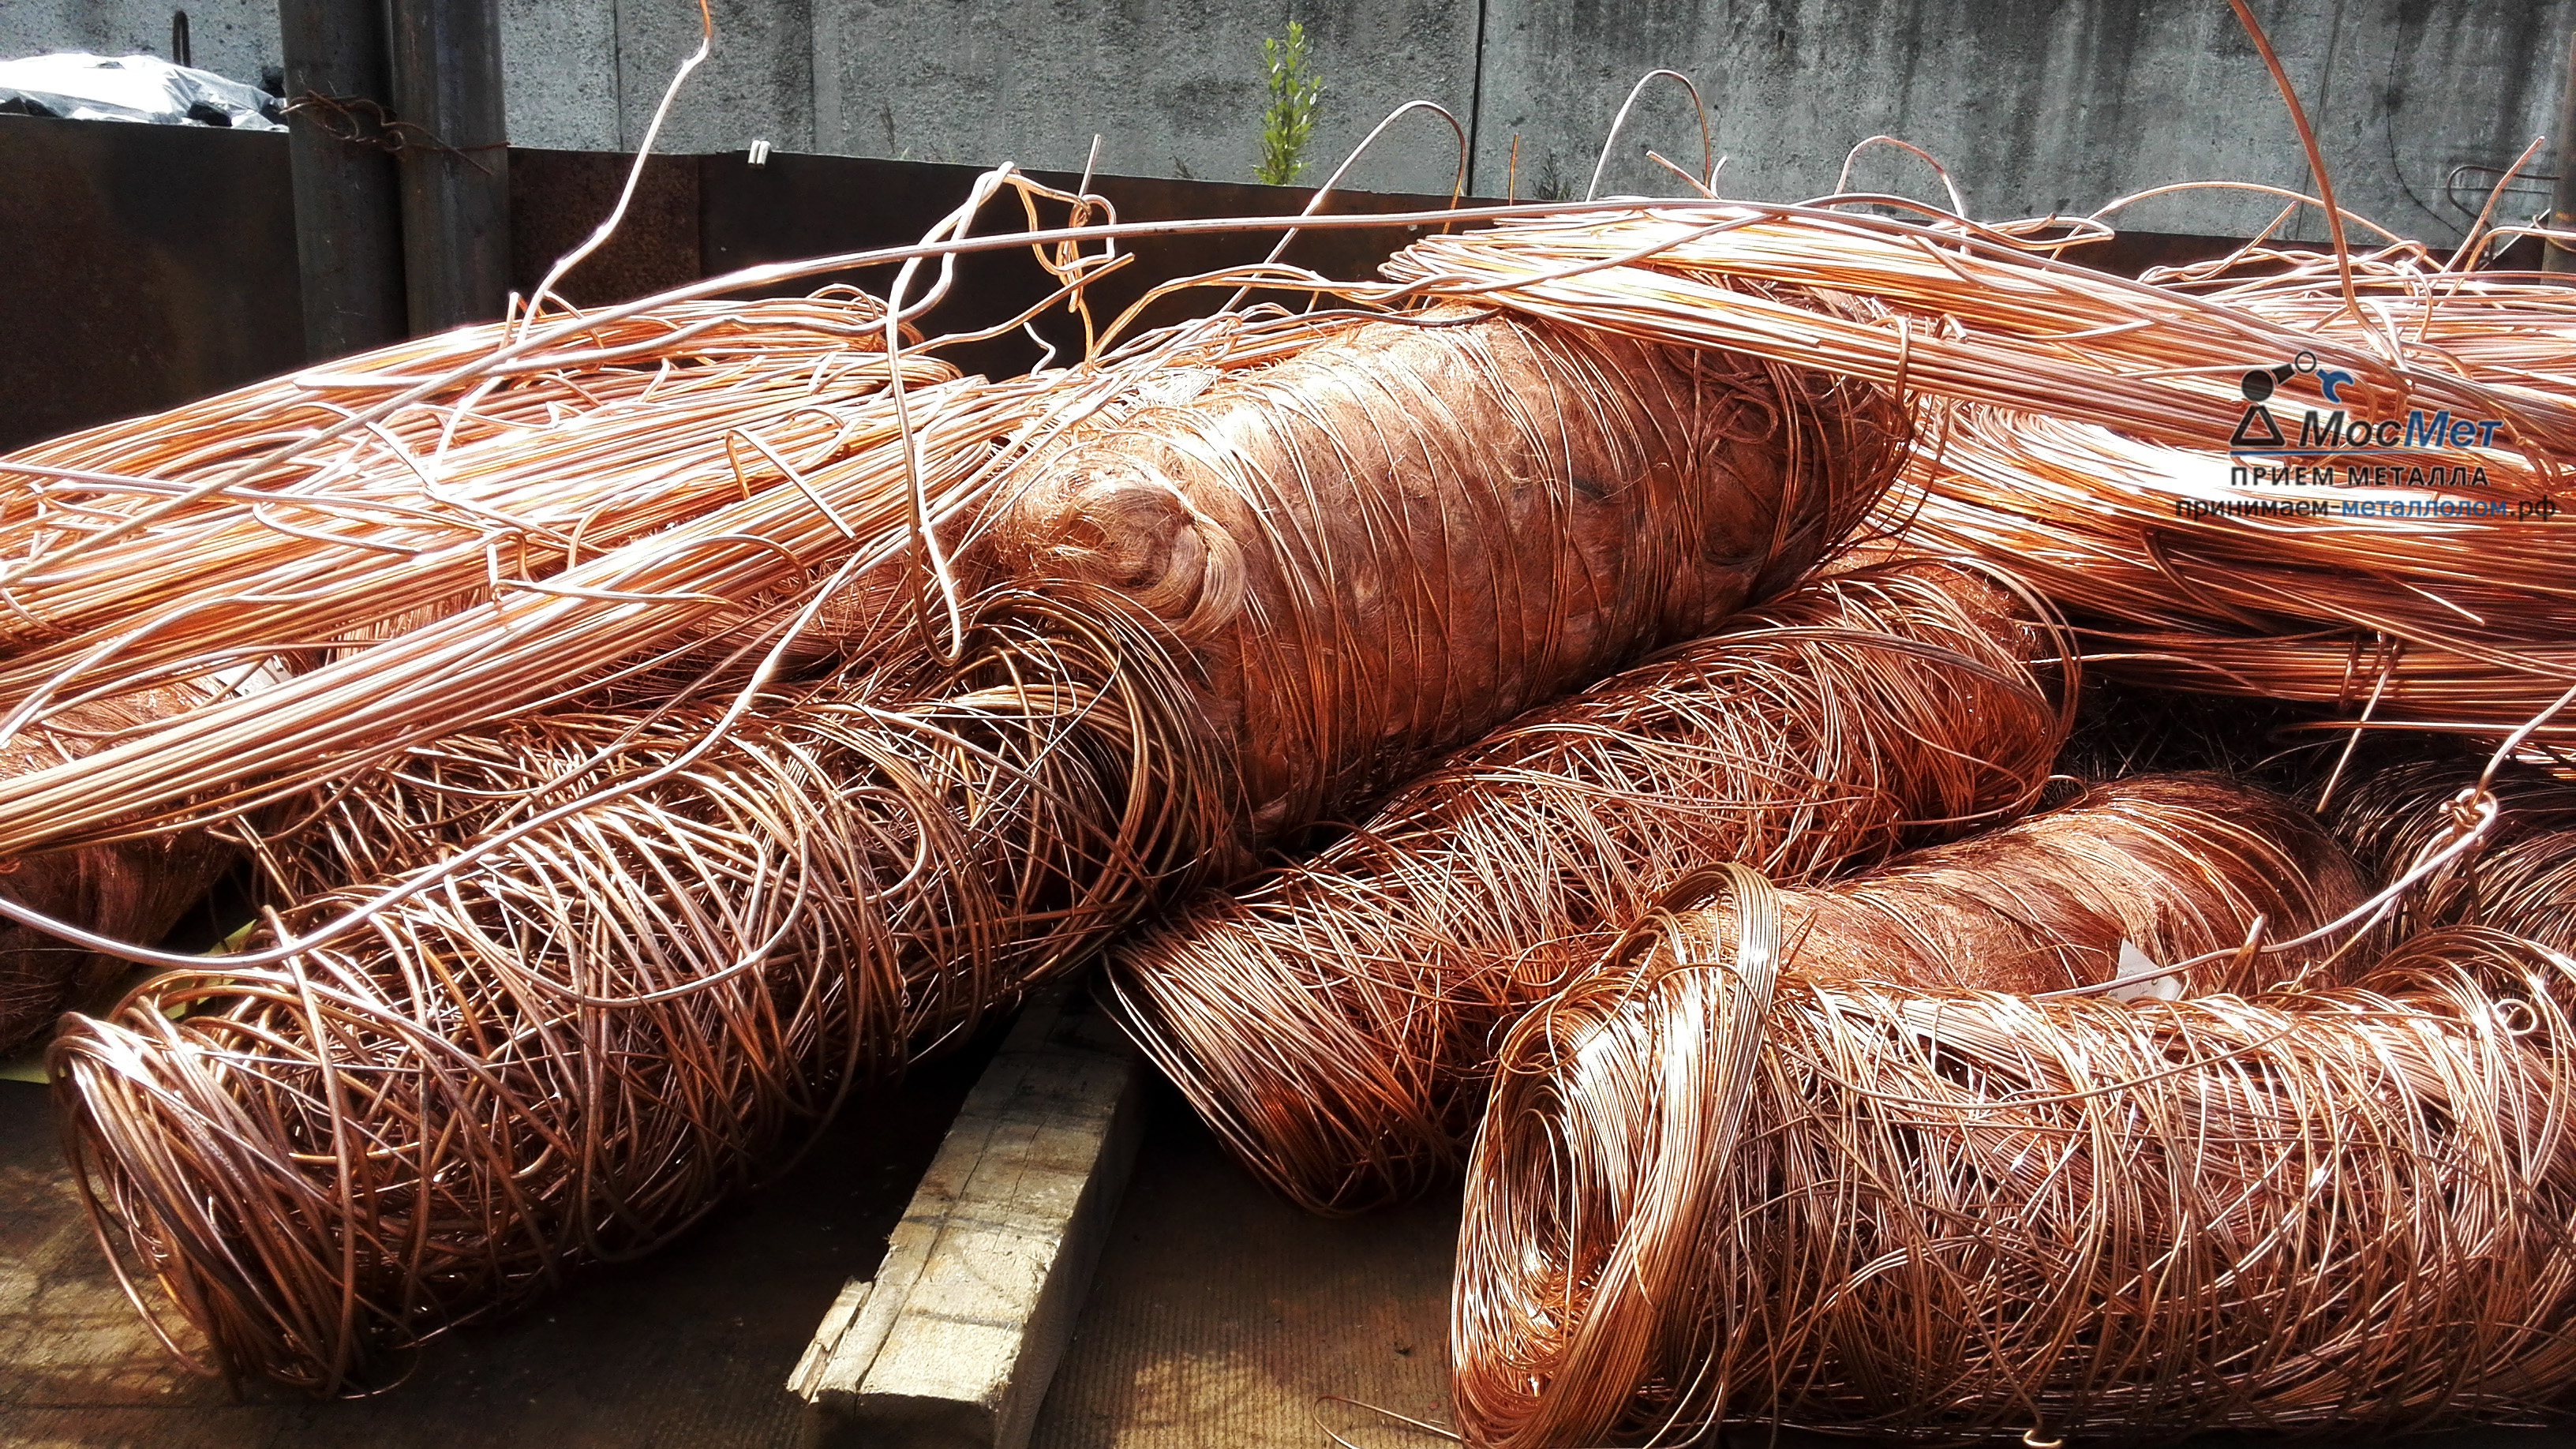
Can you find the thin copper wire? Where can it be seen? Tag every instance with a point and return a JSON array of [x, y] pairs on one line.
[[2270, 607], [558, 958], [2159, 869], [2521, 879], [571, 1050], [1334, 1020], [1952, 1217]]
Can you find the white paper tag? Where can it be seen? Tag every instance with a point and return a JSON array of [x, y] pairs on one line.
[[2134, 965]]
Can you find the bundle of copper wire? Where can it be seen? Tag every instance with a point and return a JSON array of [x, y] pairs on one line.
[[557, 958], [674, 940], [2089, 437], [761, 540], [2405, 608], [1713, 1187], [2156, 869], [135, 889], [2521, 878], [1334, 1020], [205, 611]]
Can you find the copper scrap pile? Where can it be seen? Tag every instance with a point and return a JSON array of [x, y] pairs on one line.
[[1586, 711]]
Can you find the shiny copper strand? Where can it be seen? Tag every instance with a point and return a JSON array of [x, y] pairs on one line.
[[2522, 876], [1951, 1217], [575, 1045], [1335, 1019]]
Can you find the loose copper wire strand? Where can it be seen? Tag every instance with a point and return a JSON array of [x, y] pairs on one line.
[[1953, 1217], [1334, 1020]]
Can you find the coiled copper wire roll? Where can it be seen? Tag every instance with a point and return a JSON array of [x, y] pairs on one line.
[[1713, 1189], [691, 944], [2163, 869], [1334, 1020], [1236, 579], [2521, 878]]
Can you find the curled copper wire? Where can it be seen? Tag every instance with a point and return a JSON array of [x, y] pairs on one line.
[[2152, 870], [559, 958], [1334, 1020], [136, 889], [2521, 879], [1719, 1190], [2453, 622], [2086, 420], [698, 941]]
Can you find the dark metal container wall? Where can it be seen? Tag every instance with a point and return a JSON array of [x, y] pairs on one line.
[[140, 266], [143, 266]]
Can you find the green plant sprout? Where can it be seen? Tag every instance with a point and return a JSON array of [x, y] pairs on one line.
[[1290, 120]]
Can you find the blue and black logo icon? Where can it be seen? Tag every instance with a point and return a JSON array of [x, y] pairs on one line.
[[2257, 428]]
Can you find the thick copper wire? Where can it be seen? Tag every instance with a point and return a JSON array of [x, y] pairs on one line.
[[1334, 1021], [1952, 1217]]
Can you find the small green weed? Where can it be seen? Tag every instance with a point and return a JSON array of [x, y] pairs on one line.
[[1290, 120]]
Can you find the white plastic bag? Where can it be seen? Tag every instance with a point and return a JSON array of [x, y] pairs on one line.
[[83, 87]]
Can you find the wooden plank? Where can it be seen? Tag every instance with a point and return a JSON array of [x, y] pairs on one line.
[[955, 1339]]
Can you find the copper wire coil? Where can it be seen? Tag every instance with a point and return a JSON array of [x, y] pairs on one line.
[[500, 1035], [2454, 623], [2522, 877], [1334, 1020], [2160, 869], [2085, 409], [571, 1047], [1718, 1191]]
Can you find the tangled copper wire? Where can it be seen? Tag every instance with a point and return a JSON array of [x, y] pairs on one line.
[[2090, 422], [2521, 878], [1718, 1190], [1334, 1020], [2162, 869], [1414, 527], [139, 888], [686, 940], [589, 894], [608, 616]]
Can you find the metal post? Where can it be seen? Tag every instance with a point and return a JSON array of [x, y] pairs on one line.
[[2562, 207], [348, 211], [456, 164]]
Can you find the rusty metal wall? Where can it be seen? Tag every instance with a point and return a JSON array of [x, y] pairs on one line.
[[144, 266]]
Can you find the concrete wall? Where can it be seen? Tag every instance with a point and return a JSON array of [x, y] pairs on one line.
[[1172, 88], [2035, 105], [236, 38], [2043, 105]]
